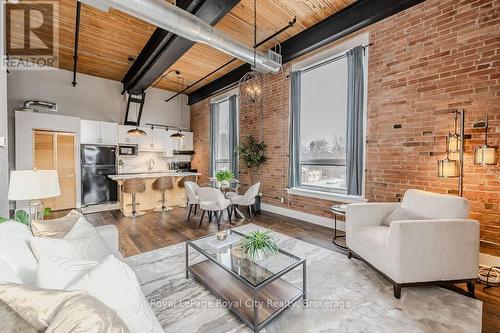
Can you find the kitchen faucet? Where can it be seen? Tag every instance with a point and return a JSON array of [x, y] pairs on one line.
[[151, 163]]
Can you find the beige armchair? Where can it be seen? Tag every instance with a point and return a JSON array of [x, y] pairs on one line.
[[425, 239]]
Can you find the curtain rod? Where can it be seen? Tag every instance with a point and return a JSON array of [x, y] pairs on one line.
[[329, 61]]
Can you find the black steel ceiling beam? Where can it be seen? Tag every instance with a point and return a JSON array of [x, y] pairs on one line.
[[354, 17], [163, 49]]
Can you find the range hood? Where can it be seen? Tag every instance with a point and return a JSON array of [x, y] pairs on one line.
[[163, 14]]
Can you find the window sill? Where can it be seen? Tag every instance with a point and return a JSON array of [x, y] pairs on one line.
[[338, 197]]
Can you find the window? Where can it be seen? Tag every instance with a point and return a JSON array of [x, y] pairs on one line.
[[323, 127], [221, 151], [224, 134]]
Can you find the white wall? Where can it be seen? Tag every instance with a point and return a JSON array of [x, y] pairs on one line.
[[25, 123], [93, 98], [4, 154]]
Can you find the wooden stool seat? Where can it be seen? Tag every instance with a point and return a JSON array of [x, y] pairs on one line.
[[163, 184], [180, 184], [134, 186]]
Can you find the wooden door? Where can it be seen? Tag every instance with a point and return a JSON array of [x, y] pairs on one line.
[[56, 151]]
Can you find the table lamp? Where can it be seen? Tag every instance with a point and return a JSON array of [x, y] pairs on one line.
[[33, 185]]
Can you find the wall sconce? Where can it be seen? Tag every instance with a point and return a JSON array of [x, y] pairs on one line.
[[484, 154], [454, 143]]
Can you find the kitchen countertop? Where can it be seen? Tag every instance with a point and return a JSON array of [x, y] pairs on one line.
[[152, 175]]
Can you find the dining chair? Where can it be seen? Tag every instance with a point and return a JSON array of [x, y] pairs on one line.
[[213, 201], [192, 190], [247, 199]]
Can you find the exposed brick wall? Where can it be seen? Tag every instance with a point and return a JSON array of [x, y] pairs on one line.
[[424, 62]]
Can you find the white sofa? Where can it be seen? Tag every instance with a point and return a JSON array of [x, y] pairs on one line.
[[441, 247], [18, 263]]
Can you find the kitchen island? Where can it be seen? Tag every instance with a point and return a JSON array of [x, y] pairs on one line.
[[150, 198]]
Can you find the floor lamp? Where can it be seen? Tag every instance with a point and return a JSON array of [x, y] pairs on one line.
[[452, 168]]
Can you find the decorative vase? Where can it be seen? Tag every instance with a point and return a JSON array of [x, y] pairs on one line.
[[259, 255], [224, 183]]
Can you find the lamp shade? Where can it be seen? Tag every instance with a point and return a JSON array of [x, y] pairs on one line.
[[448, 168], [33, 184], [453, 143], [484, 155]]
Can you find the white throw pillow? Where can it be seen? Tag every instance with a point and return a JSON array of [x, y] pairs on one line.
[[16, 253], [7, 274], [60, 272], [114, 283], [92, 247], [81, 229]]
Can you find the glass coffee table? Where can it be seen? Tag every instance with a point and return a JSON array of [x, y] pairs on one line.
[[254, 291]]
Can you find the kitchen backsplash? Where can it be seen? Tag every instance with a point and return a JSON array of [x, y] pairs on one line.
[[142, 162]]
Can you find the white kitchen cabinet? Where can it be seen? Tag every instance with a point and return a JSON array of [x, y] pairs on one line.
[[187, 141], [108, 133], [155, 140], [125, 138], [159, 139], [145, 141], [98, 132], [89, 132]]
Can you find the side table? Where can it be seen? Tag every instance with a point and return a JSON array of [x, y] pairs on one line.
[[338, 210]]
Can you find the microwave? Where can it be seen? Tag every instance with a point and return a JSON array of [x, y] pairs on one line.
[[128, 150]]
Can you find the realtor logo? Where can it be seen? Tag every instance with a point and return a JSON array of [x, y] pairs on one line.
[[32, 35]]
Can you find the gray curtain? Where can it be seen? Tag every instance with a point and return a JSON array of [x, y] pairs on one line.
[[354, 144], [294, 142], [213, 123], [233, 134]]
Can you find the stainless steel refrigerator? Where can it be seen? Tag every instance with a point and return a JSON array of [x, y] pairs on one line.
[[97, 163]]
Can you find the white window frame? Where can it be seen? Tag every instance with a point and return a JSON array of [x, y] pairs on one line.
[[330, 53], [219, 99]]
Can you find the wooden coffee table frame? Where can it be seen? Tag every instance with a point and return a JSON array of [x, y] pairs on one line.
[[273, 295]]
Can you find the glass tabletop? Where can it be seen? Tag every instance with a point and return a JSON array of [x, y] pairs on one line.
[[229, 255]]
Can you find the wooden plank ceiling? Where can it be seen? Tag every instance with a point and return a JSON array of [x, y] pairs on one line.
[[107, 40]]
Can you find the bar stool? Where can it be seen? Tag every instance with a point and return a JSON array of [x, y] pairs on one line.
[[134, 186], [180, 184], [163, 184]]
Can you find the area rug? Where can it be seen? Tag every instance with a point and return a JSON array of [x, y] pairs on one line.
[[343, 296]]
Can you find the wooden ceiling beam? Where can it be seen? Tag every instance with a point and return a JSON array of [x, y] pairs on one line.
[[352, 18], [163, 49]]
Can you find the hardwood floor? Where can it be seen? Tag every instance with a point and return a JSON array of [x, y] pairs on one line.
[[155, 230]]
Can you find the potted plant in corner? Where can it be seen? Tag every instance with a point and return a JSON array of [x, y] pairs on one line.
[[252, 153], [258, 244]]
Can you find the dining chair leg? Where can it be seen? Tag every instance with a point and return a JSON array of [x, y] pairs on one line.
[[250, 211], [210, 216], [229, 213], [218, 215], [189, 212], [202, 216], [195, 208]]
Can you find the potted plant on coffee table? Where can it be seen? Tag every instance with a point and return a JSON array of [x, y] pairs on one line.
[[258, 244]]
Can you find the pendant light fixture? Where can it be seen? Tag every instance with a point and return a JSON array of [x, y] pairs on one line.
[[484, 154], [250, 85], [138, 111], [178, 135]]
